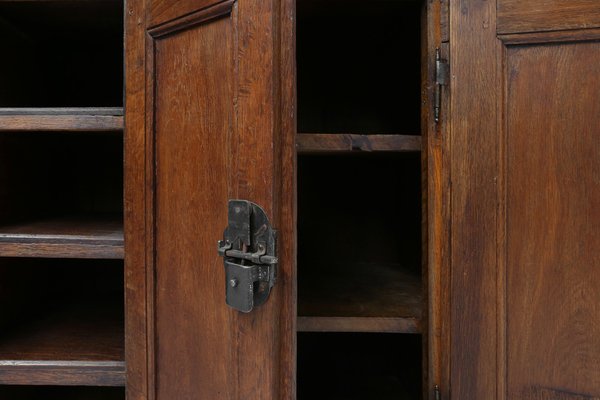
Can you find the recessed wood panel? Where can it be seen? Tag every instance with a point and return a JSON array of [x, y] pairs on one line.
[[552, 294], [547, 15], [193, 124]]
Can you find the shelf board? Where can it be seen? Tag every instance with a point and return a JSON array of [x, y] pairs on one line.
[[346, 143], [93, 119], [78, 345], [359, 298], [99, 237]]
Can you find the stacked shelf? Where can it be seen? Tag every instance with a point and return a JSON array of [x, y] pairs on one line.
[[61, 200], [360, 281]]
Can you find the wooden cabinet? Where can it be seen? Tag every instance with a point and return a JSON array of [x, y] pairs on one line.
[[430, 168], [524, 299]]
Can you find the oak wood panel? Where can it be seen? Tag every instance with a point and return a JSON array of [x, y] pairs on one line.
[[552, 222], [323, 143], [474, 50], [61, 119], [68, 237], [546, 15], [435, 204], [193, 123], [164, 11], [135, 216]]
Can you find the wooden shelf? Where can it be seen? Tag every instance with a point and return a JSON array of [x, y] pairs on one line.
[[345, 143], [99, 237], [359, 298], [82, 345], [100, 119]]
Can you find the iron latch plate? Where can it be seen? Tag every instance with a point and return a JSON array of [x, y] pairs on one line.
[[249, 251]]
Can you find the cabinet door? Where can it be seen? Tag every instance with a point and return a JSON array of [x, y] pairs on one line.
[[205, 124], [525, 219]]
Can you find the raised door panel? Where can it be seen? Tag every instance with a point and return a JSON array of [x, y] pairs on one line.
[[193, 122], [525, 168], [204, 126], [552, 217]]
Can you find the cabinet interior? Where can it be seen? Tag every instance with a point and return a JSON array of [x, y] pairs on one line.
[[61, 200], [360, 277], [61, 53], [61, 393]]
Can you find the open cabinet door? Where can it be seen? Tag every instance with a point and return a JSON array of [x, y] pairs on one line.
[[204, 113], [525, 219]]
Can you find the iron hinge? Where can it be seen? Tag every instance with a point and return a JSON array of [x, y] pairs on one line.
[[249, 251], [437, 394], [442, 78]]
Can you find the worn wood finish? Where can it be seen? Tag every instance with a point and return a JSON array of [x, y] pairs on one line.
[[212, 104], [192, 298], [359, 324], [136, 230], [61, 119], [473, 162], [552, 217], [328, 143], [516, 16], [524, 300], [435, 200], [69, 237], [80, 344]]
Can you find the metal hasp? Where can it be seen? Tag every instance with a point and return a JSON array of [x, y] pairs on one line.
[[250, 256]]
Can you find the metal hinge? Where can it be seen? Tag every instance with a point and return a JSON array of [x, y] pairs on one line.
[[437, 395], [249, 251], [442, 77]]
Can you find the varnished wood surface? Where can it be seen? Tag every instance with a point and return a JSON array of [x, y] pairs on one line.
[[552, 216], [212, 104], [473, 160], [67, 237], [137, 350], [546, 15], [328, 143], [524, 301], [78, 344], [188, 196], [61, 119]]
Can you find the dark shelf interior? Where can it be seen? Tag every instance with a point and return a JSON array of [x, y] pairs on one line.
[[62, 322], [358, 66], [359, 242], [358, 366], [46, 176], [60, 393], [61, 53]]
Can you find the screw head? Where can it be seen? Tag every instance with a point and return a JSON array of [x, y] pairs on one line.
[[233, 282]]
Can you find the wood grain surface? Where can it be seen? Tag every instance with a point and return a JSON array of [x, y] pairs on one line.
[[67, 237]]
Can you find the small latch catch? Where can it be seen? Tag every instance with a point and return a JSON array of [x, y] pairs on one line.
[[248, 249], [442, 76], [437, 394]]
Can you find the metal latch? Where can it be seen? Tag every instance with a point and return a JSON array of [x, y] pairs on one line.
[[249, 252], [442, 76]]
